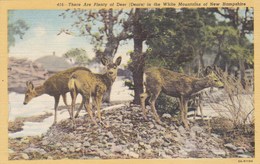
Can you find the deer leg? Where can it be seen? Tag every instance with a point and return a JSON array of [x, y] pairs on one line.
[[65, 102], [143, 97], [200, 106], [184, 110], [80, 107], [186, 124], [152, 102], [56, 98], [88, 109], [98, 104]]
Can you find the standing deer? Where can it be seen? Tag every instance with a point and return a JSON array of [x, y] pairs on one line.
[[176, 85], [93, 85], [56, 86]]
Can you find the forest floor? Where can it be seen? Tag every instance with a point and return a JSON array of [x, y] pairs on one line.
[[128, 136]]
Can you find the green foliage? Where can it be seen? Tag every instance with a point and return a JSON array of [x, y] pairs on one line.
[[166, 104], [79, 55], [16, 29]]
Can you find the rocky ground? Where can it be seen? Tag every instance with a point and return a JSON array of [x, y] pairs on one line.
[[129, 136]]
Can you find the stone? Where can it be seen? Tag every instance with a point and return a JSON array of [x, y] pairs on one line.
[[133, 154], [197, 129], [148, 151], [118, 148], [65, 150], [25, 156], [78, 149], [240, 151], [38, 150], [182, 130], [50, 158], [45, 142], [71, 149], [86, 144], [110, 135], [58, 144], [243, 156], [77, 145], [10, 151], [166, 115], [219, 152], [230, 146]]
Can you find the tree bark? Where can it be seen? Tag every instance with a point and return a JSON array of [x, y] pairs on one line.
[[137, 57]]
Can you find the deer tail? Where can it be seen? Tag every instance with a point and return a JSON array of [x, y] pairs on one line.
[[72, 84]]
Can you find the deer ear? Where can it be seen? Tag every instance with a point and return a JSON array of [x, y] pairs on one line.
[[104, 61], [208, 70], [118, 60], [29, 85]]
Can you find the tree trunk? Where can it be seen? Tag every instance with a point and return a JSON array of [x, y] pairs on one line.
[[137, 58], [138, 70]]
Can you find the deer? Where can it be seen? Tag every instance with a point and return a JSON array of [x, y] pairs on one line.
[[179, 85], [92, 85], [56, 86]]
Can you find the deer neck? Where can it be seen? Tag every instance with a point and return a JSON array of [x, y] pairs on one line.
[[108, 80], [39, 90], [202, 83]]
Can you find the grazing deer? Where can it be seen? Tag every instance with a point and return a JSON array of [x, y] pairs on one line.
[[93, 85], [56, 86], [176, 85]]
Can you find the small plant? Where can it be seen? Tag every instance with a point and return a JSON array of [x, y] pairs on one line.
[[234, 102]]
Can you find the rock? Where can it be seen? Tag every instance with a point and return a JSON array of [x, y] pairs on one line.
[[45, 142], [50, 158], [219, 152], [10, 151], [78, 149], [197, 129], [127, 120], [118, 148], [25, 140], [141, 143], [110, 135], [133, 154], [166, 115], [148, 151], [240, 151], [25, 156], [152, 140], [71, 149], [230, 146], [77, 145], [159, 127], [86, 144], [151, 125], [58, 144], [244, 156], [182, 130], [65, 150], [32, 150]]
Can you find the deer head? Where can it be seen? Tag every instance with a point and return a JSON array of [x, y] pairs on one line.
[[215, 80], [111, 68], [30, 93]]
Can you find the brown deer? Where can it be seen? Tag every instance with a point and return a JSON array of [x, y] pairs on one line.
[[92, 85], [176, 85], [56, 86]]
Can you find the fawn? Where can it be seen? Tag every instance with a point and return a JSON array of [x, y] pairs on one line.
[[92, 85], [176, 85], [56, 86]]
